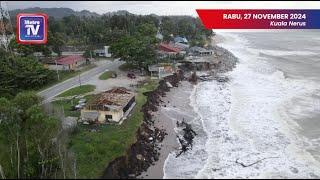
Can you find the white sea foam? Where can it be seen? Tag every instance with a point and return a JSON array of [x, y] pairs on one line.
[[247, 122], [281, 53], [253, 126], [177, 167]]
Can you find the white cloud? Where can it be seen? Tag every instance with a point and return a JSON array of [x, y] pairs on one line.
[[163, 7]]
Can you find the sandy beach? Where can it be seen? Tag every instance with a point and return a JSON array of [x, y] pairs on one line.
[[174, 145], [175, 107]]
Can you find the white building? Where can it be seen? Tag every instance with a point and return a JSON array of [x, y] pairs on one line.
[[199, 51], [110, 106], [104, 52]]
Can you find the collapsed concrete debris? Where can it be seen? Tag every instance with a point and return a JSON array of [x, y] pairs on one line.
[[221, 78], [188, 136], [145, 151]]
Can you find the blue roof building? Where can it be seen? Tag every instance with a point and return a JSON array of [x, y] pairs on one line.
[[179, 39]]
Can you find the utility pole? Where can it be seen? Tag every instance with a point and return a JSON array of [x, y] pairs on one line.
[[57, 70], [90, 55], [75, 168], [79, 80]]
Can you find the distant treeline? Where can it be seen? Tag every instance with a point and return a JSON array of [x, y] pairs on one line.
[[107, 29], [132, 38], [31, 143]]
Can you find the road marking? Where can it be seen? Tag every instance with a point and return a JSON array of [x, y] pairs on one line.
[[88, 75]]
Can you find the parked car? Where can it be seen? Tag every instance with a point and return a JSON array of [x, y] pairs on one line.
[[77, 107], [82, 104], [82, 101], [131, 75]]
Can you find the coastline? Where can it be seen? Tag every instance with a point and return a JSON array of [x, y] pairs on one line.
[[157, 136], [179, 101], [257, 140], [176, 107], [142, 154]]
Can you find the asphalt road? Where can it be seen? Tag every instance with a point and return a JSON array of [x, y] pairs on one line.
[[50, 93]]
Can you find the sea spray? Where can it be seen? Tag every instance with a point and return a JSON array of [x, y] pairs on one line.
[[249, 133], [259, 124], [192, 162]]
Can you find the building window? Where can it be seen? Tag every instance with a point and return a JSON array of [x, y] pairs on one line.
[[105, 108], [129, 104], [108, 117]]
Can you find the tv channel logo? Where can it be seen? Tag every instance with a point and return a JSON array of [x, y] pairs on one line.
[[32, 28]]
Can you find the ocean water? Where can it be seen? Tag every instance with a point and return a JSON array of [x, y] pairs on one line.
[[263, 123]]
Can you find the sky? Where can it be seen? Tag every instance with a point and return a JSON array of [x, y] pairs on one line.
[[162, 7]]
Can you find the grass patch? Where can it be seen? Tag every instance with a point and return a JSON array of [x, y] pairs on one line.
[[64, 75], [104, 58], [67, 104], [126, 67], [106, 75], [66, 107], [78, 90], [95, 150]]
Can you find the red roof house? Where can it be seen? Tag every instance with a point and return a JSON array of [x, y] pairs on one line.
[[67, 60], [169, 48]]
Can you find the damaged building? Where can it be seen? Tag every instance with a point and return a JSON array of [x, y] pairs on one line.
[[110, 106], [199, 51]]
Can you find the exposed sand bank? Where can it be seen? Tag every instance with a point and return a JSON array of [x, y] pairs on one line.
[[175, 107]]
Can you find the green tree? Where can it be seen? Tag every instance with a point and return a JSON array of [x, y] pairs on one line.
[[28, 152], [89, 54], [147, 30], [167, 28], [27, 50], [55, 40], [137, 50], [22, 73], [10, 138]]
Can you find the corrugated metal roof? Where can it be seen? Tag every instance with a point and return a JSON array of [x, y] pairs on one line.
[[70, 59], [180, 39], [117, 97], [169, 48], [199, 49]]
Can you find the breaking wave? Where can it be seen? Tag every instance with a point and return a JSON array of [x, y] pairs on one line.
[[249, 133], [281, 53]]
